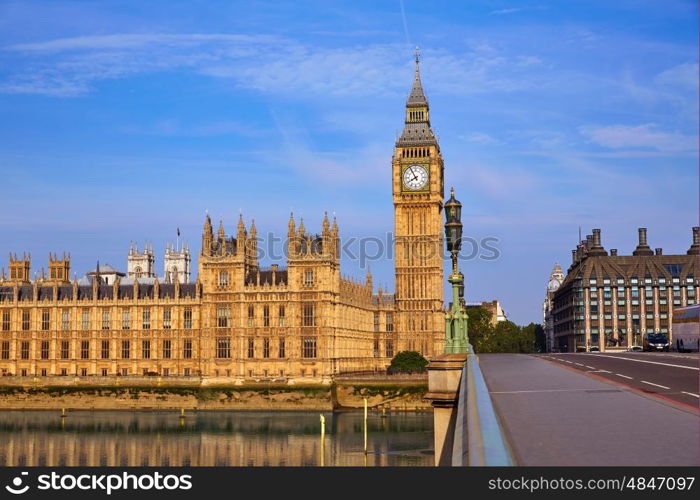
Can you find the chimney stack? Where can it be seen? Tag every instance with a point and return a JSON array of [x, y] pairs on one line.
[[596, 247], [695, 247], [659, 251], [643, 248]]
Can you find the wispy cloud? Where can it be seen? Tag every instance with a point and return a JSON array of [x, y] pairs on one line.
[[502, 12], [72, 66], [479, 138], [646, 136], [683, 75], [170, 127]]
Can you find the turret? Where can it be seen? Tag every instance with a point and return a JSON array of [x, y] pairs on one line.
[[207, 236], [291, 237], [252, 245], [20, 268], [336, 239], [241, 236], [221, 233], [59, 269], [326, 235]]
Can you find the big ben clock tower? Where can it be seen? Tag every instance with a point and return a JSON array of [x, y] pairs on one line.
[[418, 189]]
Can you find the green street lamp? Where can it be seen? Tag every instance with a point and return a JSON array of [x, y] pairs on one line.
[[456, 335]]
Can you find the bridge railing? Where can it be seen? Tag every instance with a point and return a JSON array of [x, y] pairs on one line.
[[479, 438]]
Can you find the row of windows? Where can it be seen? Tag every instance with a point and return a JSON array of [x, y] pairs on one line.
[[635, 281], [308, 317], [662, 302], [624, 316], [308, 278], [223, 349], [634, 292], [83, 372], [105, 319], [308, 348], [104, 350]]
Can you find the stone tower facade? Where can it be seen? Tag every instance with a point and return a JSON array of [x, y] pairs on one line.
[[20, 268], [59, 269], [140, 264], [418, 191], [176, 264]]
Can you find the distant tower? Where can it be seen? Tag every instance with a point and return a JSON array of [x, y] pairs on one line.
[[176, 264], [556, 278], [140, 265], [59, 269]]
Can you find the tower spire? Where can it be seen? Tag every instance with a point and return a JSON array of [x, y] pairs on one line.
[[416, 130], [417, 95]]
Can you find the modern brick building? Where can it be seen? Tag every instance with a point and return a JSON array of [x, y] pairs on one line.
[[609, 301]]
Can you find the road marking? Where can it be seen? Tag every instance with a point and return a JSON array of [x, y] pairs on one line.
[[623, 376], [591, 367], [650, 362], [656, 385], [600, 371], [580, 364], [691, 394], [541, 390]]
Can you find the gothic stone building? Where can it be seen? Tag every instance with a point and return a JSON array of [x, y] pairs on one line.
[[609, 301], [239, 321]]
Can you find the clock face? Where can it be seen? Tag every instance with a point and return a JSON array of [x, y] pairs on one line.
[[415, 177]]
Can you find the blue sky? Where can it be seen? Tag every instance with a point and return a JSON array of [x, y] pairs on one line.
[[122, 120]]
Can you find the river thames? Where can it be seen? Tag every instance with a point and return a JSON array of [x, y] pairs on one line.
[[214, 438]]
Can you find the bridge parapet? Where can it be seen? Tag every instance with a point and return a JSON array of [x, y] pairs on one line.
[[467, 430]]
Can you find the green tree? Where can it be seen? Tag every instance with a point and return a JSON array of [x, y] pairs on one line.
[[506, 336], [408, 362], [479, 327], [536, 332]]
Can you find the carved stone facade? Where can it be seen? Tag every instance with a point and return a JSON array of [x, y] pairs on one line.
[[239, 322], [418, 192]]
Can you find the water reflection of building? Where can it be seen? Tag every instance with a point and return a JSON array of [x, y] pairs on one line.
[[217, 439]]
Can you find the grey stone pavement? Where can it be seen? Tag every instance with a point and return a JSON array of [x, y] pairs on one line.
[[553, 416]]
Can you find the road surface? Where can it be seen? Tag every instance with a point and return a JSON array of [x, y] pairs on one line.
[[554, 414], [669, 375]]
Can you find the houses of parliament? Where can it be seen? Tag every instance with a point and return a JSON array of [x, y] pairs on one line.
[[238, 321]]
